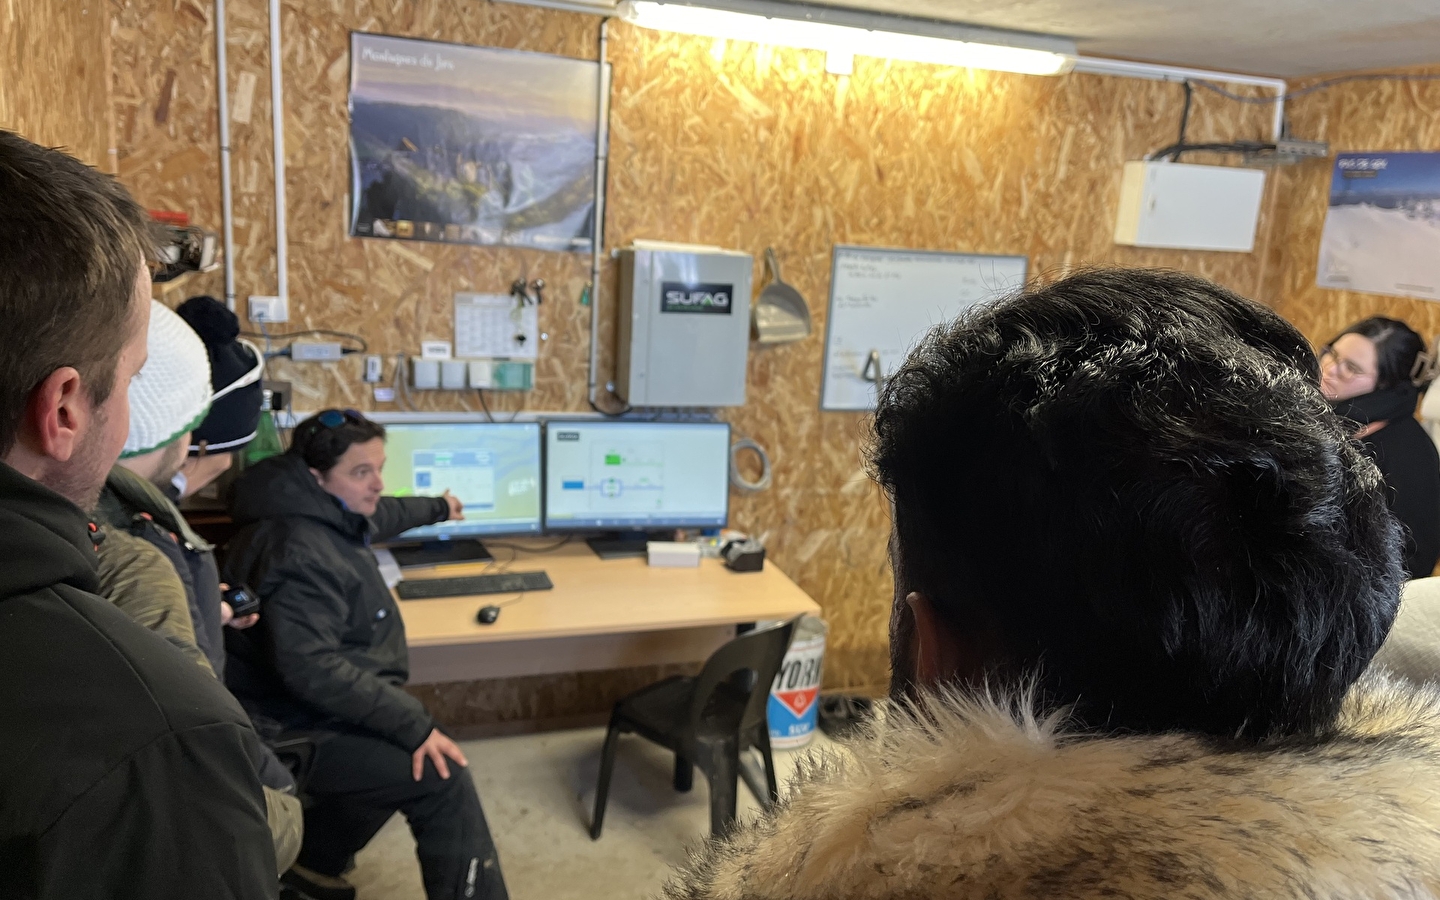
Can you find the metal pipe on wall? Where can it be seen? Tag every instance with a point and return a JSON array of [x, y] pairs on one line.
[[277, 116], [602, 156], [227, 209], [1094, 65]]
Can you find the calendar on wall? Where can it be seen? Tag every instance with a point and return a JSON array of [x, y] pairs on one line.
[[495, 326]]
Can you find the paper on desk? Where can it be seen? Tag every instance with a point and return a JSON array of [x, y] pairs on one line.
[[389, 568]]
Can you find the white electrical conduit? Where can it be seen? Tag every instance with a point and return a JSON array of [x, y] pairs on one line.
[[277, 118], [602, 140], [1091, 65], [227, 209]]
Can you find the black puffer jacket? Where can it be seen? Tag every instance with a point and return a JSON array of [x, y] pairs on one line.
[[1407, 458], [124, 771], [330, 645]]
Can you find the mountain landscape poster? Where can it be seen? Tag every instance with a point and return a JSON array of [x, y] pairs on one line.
[[1382, 231], [471, 145]]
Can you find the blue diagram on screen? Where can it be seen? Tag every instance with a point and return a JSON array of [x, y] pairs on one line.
[[493, 468], [636, 474]]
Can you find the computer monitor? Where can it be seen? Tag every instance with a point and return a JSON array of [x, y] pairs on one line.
[[636, 476], [493, 468]]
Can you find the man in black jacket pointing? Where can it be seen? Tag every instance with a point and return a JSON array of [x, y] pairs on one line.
[[328, 660], [121, 773]]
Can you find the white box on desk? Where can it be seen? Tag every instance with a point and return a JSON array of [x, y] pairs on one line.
[[673, 554]]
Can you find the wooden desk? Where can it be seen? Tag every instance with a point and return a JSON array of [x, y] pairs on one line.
[[602, 614]]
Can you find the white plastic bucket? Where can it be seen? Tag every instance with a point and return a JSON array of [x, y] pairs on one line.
[[795, 694]]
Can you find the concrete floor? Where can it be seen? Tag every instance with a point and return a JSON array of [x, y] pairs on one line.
[[538, 791]]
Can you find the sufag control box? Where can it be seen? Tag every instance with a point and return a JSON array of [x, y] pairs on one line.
[[684, 335]]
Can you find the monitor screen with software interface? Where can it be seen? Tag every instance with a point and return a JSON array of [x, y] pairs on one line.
[[493, 468], [636, 475]]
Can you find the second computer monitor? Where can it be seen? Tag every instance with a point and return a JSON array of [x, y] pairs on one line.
[[494, 468], [618, 476]]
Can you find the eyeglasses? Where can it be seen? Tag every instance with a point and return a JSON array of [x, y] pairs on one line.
[[1349, 369], [334, 418]]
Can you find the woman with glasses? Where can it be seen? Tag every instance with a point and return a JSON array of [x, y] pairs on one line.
[[328, 660], [1373, 373]]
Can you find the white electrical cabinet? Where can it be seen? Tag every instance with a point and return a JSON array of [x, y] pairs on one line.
[[1186, 207], [684, 335]]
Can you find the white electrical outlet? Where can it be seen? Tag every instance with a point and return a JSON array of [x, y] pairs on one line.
[[425, 374], [452, 374], [374, 367], [268, 309]]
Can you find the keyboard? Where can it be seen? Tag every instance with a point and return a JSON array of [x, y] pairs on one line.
[[467, 585]]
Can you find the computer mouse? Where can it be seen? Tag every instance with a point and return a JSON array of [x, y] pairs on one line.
[[487, 615]]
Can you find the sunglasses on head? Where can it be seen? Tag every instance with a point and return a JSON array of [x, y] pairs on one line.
[[334, 418]]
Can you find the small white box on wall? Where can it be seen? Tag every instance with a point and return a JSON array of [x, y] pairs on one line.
[[1186, 207]]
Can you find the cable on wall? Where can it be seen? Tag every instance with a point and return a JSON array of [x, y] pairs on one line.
[[1174, 150], [402, 382], [489, 416], [739, 481]]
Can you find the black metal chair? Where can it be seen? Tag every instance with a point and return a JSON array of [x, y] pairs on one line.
[[707, 721]]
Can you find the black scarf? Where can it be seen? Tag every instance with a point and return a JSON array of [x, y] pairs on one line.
[[1379, 406]]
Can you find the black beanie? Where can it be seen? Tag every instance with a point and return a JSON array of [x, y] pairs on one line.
[[235, 370]]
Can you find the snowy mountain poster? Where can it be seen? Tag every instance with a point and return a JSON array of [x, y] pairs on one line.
[[1382, 231], [471, 145]]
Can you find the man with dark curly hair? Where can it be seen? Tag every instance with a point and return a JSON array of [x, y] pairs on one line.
[[1140, 569]]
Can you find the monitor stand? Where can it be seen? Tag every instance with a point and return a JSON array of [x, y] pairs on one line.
[[436, 553], [621, 544]]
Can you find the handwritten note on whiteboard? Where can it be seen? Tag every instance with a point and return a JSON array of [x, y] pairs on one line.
[[885, 300]]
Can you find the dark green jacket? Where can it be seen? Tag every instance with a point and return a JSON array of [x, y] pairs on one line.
[[124, 772], [330, 645], [142, 583], [132, 504], [162, 574]]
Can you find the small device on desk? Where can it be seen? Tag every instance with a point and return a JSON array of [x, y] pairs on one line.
[[673, 554], [633, 479], [493, 468], [468, 585], [487, 615], [744, 556]]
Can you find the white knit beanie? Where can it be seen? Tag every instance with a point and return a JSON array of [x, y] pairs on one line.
[[171, 395]]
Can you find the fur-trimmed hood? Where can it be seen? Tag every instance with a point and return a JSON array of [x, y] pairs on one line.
[[986, 801]]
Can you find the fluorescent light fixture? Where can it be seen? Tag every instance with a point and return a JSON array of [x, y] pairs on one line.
[[841, 31]]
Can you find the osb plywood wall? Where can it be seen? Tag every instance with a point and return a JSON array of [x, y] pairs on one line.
[[55, 75], [723, 143], [1356, 117]]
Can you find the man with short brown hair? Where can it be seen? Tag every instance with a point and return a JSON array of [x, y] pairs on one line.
[[123, 773]]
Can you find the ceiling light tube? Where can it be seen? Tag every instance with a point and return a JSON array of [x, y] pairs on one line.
[[833, 30]]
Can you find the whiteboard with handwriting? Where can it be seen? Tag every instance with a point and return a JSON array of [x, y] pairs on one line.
[[886, 300]]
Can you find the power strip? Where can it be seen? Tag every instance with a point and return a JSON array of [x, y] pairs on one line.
[[316, 351]]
